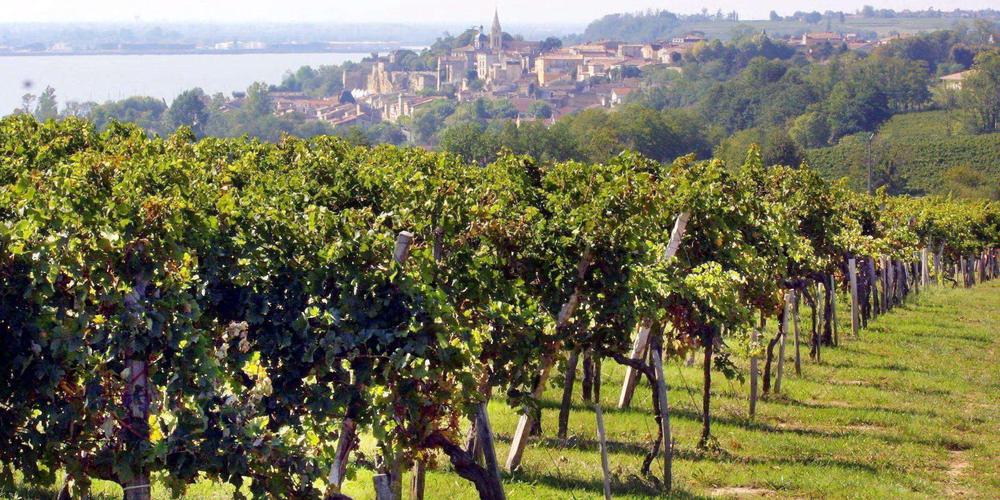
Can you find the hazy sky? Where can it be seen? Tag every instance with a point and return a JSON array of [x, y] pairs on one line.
[[417, 11]]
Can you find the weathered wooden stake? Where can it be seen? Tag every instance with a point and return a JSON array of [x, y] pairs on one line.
[[383, 487], [484, 436], [833, 309], [639, 348], [138, 488], [754, 373], [604, 451], [852, 272], [417, 481], [668, 447], [567, 396], [886, 289], [781, 346], [345, 442], [642, 340], [938, 265], [524, 424], [925, 272], [389, 485], [796, 300], [597, 362]]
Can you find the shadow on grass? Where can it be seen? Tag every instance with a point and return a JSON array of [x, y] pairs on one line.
[[894, 367], [723, 456], [872, 408], [964, 338], [26, 492], [632, 486]]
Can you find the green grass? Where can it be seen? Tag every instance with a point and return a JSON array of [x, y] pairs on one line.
[[908, 410]]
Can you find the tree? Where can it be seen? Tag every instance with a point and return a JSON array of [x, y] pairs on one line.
[[810, 130], [258, 101], [471, 141], [854, 106], [47, 107], [76, 108], [774, 16], [980, 96], [963, 181], [551, 43], [146, 112], [189, 110], [540, 109], [28, 103]]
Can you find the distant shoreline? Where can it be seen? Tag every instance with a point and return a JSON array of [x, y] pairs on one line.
[[352, 50]]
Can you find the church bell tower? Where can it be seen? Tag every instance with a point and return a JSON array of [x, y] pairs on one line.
[[496, 34]]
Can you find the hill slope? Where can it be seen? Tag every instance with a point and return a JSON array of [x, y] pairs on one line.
[[920, 147]]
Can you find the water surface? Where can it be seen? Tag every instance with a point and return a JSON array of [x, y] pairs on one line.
[[101, 78]]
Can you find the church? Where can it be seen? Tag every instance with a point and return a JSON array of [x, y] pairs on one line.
[[495, 57]]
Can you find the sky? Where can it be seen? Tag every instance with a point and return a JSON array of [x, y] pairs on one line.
[[416, 11]]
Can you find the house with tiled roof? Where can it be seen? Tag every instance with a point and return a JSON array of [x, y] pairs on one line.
[[810, 39], [954, 80]]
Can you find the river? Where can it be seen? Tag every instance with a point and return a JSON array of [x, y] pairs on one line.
[[101, 78]]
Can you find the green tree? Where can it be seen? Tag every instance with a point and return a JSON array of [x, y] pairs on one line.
[[980, 97], [258, 101], [471, 141], [551, 43], [146, 112], [28, 103], [810, 130], [966, 182], [854, 106], [189, 110], [48, 107], [540, 109]]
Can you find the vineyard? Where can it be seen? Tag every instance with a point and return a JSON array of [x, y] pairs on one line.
[[916, 149], [250, 313]]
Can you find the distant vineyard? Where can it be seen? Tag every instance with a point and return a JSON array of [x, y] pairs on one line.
[[919, 156]]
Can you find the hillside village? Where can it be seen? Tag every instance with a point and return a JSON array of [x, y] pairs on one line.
[[540, 84]]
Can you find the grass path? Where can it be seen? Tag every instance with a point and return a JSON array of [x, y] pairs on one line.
[[911, 409]]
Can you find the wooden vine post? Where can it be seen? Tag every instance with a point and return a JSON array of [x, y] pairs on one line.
[[136, 397], [938, 261], [754, 373], [852, 273], [833, 310], [641, 344], [661, 392], [525, 423], [484, 436], [639, 349], [389, 484], [925, 272], [796, 300], [871, 279], [417, 480], [567, 397], [345, 443], [138, 488], [886, 289], [786, 322], [604, 450]]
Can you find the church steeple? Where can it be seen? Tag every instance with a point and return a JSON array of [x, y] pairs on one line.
[[496, 33]]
